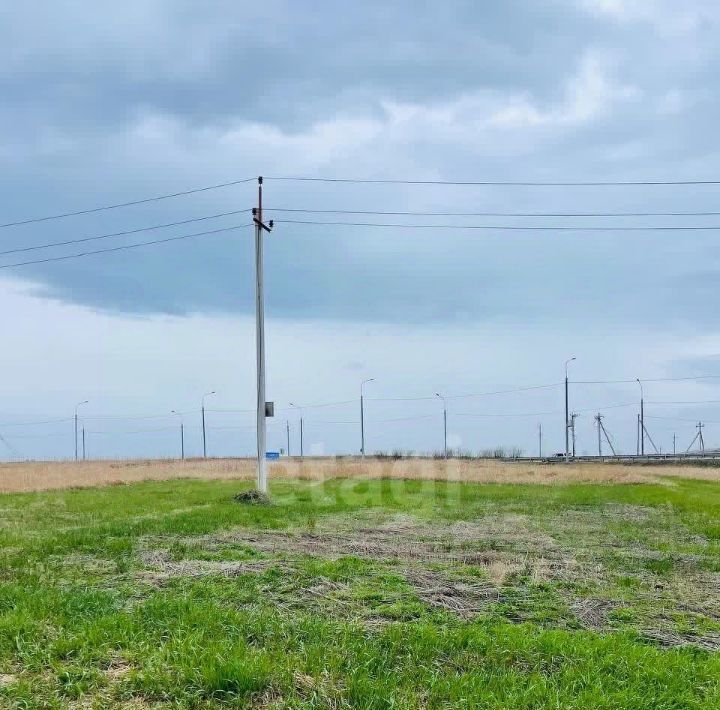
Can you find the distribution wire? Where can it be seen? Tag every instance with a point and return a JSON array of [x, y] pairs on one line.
[[499, 228], [493, 183], [466, 396], [125, 247], [381, 213], [49, 245], [143, 201], [357, 181], [643, 380]]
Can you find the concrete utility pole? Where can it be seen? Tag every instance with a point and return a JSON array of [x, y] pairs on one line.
[[362, 416], [699, 435], [262, 409], [607, 438], [203, 422], [539, 440], [79, 404], [182, 434], [444, 423], [567, 411], [642, 419], [674, 440], [573, 417], [598, 419], [83, 442], [295, 406], [287, 427]]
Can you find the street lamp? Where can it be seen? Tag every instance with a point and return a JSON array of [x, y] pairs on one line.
[[79, 404], [207, 394], [567, 411], [362, 416], [642, 419], [182, 434], [300, 409], [444, 419]]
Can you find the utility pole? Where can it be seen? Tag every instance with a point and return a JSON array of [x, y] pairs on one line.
[[295, 406], [445, 449], [203, 422], [539, 440], [287, 426], [573, 417], [362, 416], [607, 438], [598, 419], [700, 426], [83, 441], [567, 411], [262, 412], [79, 404], [642, 419], [182, 434], [674, 438]]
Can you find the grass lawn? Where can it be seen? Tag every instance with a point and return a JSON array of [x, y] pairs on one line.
[[362, 594]]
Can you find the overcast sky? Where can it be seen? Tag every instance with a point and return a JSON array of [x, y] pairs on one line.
[[113, 103]]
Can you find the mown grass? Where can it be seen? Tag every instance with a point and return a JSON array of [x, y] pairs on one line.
[[86, 619]]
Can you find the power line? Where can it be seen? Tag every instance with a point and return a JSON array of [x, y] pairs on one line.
[[143, 201], [494, 214], [491, 183], [124, 247], [46, 421], [644, 379], [48, 245], [466, 396], [499, 228], [138, 431]]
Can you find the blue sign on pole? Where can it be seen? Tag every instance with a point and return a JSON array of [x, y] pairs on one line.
[[272, 455]]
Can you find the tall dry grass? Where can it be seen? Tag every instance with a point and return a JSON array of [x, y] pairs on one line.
[[39, 476]]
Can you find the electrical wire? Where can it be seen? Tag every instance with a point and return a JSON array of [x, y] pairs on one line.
[[46, 421], [492, 214], [492, 183], [498, 228], [125, 246], [643, 380], [143, 201], [49, 245], [465, 396], [123, 433]]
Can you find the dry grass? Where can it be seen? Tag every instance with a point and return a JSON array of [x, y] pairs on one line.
[[39, 476]]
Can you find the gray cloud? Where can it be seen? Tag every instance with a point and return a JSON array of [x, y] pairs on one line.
[[155, 96]]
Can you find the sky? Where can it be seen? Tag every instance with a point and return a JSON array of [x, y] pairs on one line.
[[111, 104]]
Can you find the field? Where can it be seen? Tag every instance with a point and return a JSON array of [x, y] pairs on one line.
[[41, 476], [599, 589]]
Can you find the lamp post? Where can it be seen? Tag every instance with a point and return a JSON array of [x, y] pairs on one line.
[[182, 434], [79, 404], [362, 416], [642, 419], [300, 409], [444, 423], [567, 411], [207, 394]]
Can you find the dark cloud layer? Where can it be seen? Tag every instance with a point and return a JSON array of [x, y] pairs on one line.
[[101, 105]]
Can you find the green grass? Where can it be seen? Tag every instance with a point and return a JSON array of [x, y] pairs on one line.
[[163, 595]]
